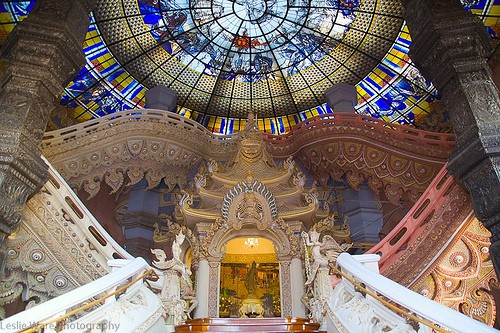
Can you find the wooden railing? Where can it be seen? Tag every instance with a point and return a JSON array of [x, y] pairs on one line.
[[366, 124], [136, 115]]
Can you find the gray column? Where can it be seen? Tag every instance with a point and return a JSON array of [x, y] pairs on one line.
[[365, 219], [450, 47], [42, 54], [138, 223], [161, 98], [341, 97]]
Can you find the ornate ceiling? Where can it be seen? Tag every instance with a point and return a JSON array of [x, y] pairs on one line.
[[227, 57]]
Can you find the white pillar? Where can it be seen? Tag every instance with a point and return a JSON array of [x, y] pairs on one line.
[[297, 285], [202, 289]]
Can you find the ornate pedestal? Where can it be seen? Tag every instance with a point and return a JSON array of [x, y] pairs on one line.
[[252, 308]]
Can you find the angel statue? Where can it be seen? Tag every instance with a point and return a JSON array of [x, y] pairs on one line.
[[175, 279], [322, 253]]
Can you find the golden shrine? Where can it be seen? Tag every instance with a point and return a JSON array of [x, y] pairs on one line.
[[243, 219]]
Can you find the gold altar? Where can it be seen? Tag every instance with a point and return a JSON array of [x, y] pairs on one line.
[[247, 292]]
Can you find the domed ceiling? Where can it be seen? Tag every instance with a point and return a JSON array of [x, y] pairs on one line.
[[227, 57]]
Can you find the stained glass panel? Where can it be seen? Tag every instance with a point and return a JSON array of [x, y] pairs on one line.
[[226, 57]]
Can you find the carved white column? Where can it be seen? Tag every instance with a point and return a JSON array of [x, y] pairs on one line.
[[202, 287], [213, 289], [286, 288], [297, 285]]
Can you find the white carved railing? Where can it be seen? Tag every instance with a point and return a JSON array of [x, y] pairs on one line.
[[135, 115], [117, 302], [351, 311], [88, 227]]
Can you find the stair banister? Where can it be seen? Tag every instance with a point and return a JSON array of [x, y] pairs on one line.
[[416, 303], [57, 307]]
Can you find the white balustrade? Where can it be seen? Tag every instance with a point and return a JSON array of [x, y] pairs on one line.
[[135, 308], [86, 225], [349, 310]]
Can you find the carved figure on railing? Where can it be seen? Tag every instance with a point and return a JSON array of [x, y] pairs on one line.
[[175, 263], [189, 296], [323, 253], [318, 259], [175, 277]]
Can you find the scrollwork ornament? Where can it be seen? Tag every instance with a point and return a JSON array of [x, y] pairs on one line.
[[218, 224], [200, 181], [186, 199]]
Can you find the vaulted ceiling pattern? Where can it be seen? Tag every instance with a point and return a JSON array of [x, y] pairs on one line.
[[227, 57]]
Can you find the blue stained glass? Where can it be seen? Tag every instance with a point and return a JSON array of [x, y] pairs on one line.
[[281, 125], [17, 9], [251, 42], [252, 37]]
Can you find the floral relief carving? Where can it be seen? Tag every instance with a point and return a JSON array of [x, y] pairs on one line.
[[286, 289], [213, 294], [133, 149], [48, 255], [396, 160], [137, 147], [384, 169], [463, 276], [433, 235]]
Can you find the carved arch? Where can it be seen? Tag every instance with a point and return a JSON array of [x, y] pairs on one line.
[[244, 187], [282, 245]]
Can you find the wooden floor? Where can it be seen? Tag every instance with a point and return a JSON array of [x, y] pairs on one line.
[[256, 325]]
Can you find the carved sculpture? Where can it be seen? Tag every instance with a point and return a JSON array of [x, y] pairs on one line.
[[177, 294], [319, 284], [251, 306], [331, 250], [251, 280]]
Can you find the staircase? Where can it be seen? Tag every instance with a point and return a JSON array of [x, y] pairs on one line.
[[256, 325]]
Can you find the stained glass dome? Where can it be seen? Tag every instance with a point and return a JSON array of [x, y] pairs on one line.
[[227, 57], [249, 40]]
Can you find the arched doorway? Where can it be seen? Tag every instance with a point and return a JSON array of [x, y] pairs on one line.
[[249, 279]]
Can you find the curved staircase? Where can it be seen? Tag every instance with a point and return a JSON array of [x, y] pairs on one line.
[[268, 325]]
